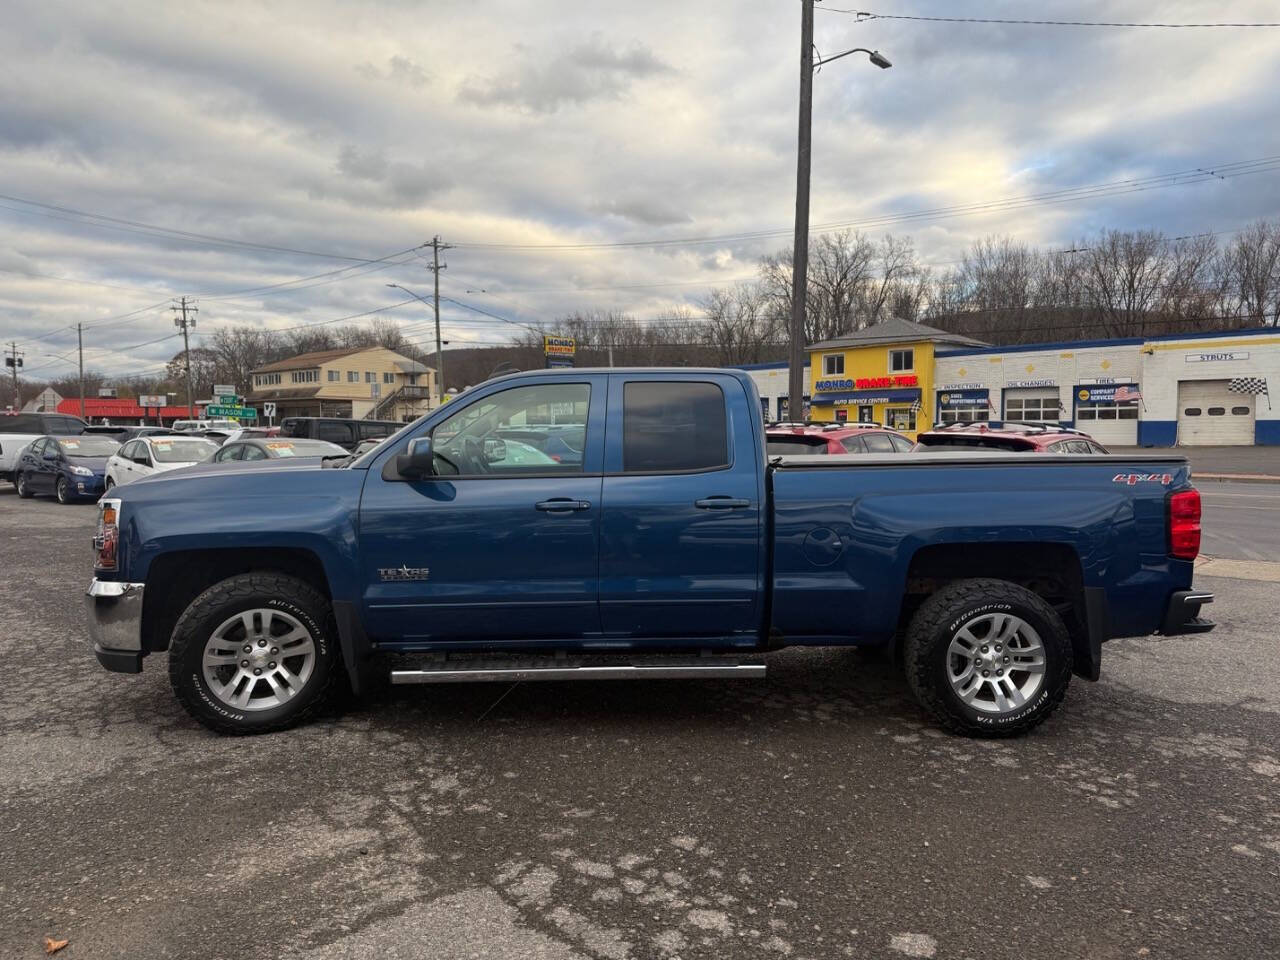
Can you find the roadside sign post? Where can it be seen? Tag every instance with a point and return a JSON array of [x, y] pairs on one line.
[[559, 351], [232, 412], [269, 411]]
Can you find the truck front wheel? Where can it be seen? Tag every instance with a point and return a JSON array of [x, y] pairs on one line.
[[255, 653], [987, 658]]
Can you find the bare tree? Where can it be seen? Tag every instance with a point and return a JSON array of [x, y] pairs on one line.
[[1249, 274], [740, 327]]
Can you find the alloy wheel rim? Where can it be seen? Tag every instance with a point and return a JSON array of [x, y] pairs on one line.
[[62, 489], [996, 663], [258, 659]]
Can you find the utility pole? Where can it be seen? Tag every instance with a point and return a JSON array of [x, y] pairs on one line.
[[800, 252], [181, 309], [80, 345], [436, 267], [13, 360], [800, 246]]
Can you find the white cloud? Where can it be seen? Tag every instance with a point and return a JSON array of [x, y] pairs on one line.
[[366, 129]]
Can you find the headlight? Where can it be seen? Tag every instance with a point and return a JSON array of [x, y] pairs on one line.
[[82, 471], [108, 536]]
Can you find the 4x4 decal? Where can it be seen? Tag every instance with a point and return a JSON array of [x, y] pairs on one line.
[[1132, 479]]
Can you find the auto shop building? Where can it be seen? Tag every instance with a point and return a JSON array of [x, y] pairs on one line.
[[1185, 389]]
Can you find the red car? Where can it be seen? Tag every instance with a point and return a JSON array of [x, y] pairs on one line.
[[808, 439], [1027, 437]]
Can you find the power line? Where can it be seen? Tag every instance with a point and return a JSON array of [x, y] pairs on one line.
[[864, 15], [69, 214]]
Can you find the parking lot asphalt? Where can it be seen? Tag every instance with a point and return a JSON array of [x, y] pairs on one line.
[[1241, 520], [815, 813]]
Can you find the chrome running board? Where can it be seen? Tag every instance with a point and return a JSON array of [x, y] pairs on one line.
[[662, 671]]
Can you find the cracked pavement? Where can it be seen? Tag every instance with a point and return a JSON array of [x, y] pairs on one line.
[[816, 813]]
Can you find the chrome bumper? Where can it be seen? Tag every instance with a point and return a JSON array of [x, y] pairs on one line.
[[115, 624]]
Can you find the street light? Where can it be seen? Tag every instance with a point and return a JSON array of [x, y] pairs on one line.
[[800, 252], [439, 342]]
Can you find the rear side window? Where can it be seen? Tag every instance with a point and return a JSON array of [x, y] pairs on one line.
[[22, 423], [673, 427], [853, 445], [64, 426], [293, 428], [335, 431], [796, 445], [878, 443], [900, 444]]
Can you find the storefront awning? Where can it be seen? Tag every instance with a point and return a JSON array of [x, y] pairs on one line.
[[867, 397]]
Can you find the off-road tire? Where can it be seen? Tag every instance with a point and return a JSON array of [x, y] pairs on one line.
[[24, 491], [62, 490], [930, 633], [223, 600]]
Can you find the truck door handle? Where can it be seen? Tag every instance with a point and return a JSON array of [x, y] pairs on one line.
[[562, 505], [721, 503]]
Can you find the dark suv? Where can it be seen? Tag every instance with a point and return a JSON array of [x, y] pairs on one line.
[[345, 433]]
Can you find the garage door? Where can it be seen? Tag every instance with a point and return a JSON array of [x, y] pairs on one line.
[[1210, 414], [1039, 405]]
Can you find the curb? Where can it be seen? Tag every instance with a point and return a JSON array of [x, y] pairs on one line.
[[1236, 477]]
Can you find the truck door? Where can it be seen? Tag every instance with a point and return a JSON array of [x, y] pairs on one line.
[[680, 552], [503, 541]]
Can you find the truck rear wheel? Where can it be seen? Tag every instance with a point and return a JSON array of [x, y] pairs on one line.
[[255, 653], [987, 658]]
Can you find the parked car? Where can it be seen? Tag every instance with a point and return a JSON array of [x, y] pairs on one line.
[[1019, 437], [275, 448], [19, 430], [146, 456], [562, 442], [675, 549], [345, 432], [193, 426], [71, 468], [815, 439], [123, 433]]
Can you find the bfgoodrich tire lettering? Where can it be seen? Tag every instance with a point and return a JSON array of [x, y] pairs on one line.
[[254, 595], [950, 626]]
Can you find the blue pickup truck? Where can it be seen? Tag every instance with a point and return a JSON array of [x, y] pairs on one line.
[[673, 546]]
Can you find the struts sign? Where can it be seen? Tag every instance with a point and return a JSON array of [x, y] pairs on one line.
[[870, 383]]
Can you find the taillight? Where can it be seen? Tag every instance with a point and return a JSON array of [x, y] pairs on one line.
[[1184, 524], [107, 539]]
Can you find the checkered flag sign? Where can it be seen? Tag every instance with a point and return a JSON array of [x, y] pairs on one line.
[[1254, 385], [915, 405]]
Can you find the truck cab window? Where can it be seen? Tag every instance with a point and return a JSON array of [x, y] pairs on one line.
[[673, 427], [513, 433]]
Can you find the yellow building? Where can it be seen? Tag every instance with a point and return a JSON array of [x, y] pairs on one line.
[[882, 374], [371, 382]]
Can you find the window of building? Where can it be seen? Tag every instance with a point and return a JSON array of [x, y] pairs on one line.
[[964, 414], [900, 418], [1042, 409], [266, 379], [335, 376], [673, 427], [833, 364], [305, 376], [369, 376], [388, 377], [353, 376], [902, 360]]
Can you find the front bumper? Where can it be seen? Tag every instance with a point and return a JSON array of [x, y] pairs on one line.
[[114, 612], [93, 486], [1183, 613]]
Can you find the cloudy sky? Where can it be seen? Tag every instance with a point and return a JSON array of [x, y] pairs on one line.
[[322, 135]]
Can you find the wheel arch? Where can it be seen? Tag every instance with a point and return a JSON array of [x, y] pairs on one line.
[[176, 578], [1052, 571]]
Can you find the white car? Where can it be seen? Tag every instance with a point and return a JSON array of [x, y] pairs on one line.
[[190, 426], [147, 455]]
